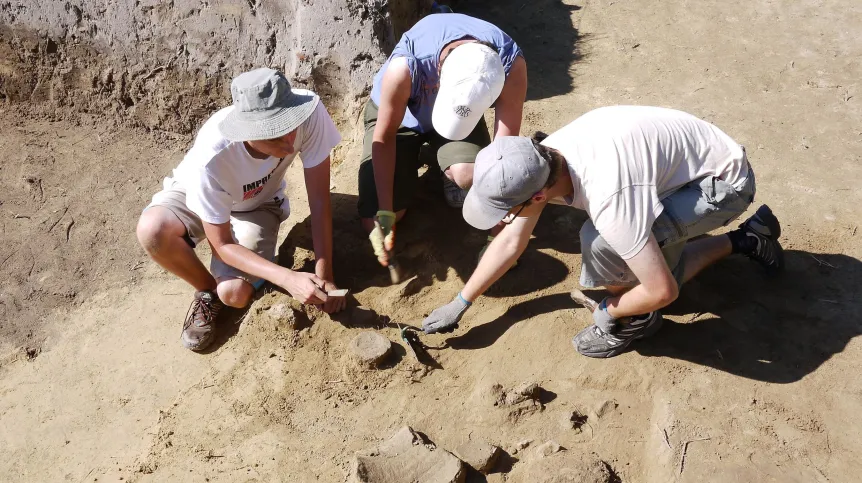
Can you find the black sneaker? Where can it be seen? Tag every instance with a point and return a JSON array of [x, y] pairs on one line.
[[199, 326], [763, 229], [594, 342]]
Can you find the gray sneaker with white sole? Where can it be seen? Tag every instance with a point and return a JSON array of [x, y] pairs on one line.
[[594, 342]]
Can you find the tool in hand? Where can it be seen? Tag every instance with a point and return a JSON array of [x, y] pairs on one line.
[[409, 338], [582, 299], [395, 274]]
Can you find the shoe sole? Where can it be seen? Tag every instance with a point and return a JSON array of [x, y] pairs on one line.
[[649, 332]]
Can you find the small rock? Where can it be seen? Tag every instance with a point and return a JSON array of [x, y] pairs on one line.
[[362, 316], [406, 457], [549, 448], [282, 315], [478, 454], [520, 445], [524, 392], [605, 408], [370, 348]]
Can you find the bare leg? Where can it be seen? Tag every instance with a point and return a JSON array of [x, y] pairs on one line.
[[161, 234], [235, 292], [704, 252]]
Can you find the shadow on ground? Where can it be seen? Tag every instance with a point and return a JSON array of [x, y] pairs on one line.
[[544, 31], [741, 321], [432, 238], [768, 329]]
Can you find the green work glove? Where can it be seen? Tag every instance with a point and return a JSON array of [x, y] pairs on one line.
[[383, 234]]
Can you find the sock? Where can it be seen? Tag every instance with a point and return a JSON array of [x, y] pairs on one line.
[[740, 242]]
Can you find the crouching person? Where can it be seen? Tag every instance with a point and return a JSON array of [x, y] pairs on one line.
[[230, 190], [653, 181]]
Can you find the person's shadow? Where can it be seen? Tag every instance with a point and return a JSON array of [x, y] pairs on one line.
[[431, 239], [545, 32], [774, 329]]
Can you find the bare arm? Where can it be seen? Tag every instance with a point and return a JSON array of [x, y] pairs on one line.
[[302, 286], [657, 287], [503, 252], [509, 107], [395, 91], [320, 204]]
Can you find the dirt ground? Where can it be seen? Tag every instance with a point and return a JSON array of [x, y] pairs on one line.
[[751, 379]]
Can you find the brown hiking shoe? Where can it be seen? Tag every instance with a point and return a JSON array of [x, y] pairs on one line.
[[199, 327]]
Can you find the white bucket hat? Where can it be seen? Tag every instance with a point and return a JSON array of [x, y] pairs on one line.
[[471, 80], [265, 107]]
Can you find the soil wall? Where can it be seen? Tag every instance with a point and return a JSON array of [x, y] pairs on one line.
[[168, 64]]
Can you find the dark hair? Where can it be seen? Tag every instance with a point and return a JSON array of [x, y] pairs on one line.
[[480, 42], [555, 159]]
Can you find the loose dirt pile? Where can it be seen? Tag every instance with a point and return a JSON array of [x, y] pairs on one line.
[[751, 379]]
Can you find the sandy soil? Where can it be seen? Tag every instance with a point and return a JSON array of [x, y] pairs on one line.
[[751, 379]]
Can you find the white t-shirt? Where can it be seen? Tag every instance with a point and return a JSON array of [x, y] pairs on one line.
[[220, 176], [625, 159]]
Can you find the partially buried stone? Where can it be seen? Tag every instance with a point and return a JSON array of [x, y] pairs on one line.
[[548, 449], [406, 457], [282, 315], [369, 349], [479, 454]]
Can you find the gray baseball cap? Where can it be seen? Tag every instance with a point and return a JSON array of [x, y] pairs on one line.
[[265, 106], [507, 173]]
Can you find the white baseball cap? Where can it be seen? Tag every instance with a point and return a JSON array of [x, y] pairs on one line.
[[471, 80]]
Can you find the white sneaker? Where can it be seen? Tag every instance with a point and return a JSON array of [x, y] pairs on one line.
[[453, 193]]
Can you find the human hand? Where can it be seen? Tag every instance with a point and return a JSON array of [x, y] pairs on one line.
[[445, 319], [334, 303], [305, 287], [603, 319], [383, 236]]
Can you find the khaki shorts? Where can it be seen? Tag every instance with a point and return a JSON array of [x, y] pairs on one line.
[[256, 230]]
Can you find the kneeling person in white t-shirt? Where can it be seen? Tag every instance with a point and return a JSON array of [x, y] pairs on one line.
[[230, 190], [651, 179]]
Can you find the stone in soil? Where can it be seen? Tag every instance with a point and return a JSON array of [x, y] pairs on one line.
[[479, 454], [549, 448], [606, 408], [282, 315], [563, 467], [406, 457], [524, 392], [369, 348]]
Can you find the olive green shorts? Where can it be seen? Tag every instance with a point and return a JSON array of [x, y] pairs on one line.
[[408, 144]]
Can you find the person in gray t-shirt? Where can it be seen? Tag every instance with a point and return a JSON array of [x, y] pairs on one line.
[[653, 181], [442, 76]]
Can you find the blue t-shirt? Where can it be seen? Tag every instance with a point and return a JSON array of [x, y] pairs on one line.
[[421, 46]]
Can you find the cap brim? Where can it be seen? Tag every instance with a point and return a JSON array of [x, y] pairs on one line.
[[246, 126], [452, 126], [480, 213]]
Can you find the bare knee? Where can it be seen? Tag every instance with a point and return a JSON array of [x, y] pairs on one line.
[[461, 174], [156, 227], [235, 292]]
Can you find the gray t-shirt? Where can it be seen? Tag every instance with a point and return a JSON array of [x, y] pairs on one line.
[[625, 159], [421, 46]]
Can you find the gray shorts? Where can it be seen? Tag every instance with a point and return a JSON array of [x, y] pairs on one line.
[[256, 230], [695, 209]]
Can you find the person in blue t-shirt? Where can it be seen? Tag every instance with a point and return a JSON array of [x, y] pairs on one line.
[[442, 76]]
